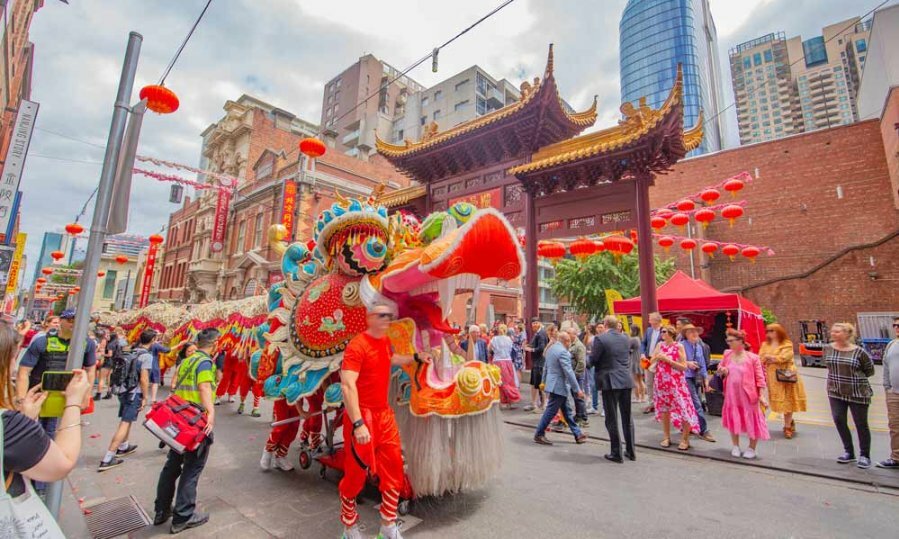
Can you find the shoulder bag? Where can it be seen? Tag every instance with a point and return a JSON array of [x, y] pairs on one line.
[[25, 516]]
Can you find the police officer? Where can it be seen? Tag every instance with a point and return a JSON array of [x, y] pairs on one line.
[[195, 383]]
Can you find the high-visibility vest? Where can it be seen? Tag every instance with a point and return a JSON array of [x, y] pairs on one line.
[[187, 387]]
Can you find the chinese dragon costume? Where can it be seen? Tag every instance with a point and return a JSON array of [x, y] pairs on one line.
[[360, 255]]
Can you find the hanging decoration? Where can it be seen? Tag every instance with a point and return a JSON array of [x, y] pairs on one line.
[[40, 280], [704, 216], [600, 245], [553, 250], [666, 242], [101, 273], [657, 222], [734, 184], [709, 248], [581, 248], [750, 252], [163, 177], [709, 195], [730, 250], [732, 212], [155, 241], [220, 221], [687, 244], [680, 220], [160, 99], [618, 245], [686, 205], [47, 271], [57, 255], [73, 229], [121, 259], [312, 147]]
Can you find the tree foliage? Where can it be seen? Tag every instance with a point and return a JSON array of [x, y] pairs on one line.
[[583, 283]]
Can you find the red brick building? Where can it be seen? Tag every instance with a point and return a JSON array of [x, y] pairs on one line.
[[177, 251], [822, 201], [15, 64]]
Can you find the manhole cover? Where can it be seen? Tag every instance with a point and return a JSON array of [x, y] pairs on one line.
[[116, 517]]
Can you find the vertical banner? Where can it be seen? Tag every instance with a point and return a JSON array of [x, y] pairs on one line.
[[15, 160], [12, 281], [288, 207], [148, 275], [6, 235], [220, 222]]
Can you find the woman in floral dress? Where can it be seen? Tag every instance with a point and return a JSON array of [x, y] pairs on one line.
[[671, 397]]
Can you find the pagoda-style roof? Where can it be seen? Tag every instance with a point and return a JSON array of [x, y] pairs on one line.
[[646, 139], [402, 196], [537, 119]]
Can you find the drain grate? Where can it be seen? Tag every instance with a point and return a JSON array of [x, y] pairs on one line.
[[116, 517]]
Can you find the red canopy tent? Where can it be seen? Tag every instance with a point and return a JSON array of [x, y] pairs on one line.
[[682, 294]]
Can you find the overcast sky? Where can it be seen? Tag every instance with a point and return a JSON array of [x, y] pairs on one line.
[[284, 50]]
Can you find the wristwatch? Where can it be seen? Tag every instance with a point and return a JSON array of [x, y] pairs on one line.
[[358, 423]]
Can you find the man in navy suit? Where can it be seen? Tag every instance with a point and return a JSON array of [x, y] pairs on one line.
[[611, 358], [651, 337]]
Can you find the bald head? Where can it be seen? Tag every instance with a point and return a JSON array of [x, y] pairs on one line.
[[565, 338]]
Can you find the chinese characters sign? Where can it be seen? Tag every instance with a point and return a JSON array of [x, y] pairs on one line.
[[12, 282], [15, 160], [288, 206], [220, 222], [492, 198], [148, 275]]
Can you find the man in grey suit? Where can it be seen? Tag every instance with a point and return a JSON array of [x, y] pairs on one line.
[[610, 356], [558, 377]]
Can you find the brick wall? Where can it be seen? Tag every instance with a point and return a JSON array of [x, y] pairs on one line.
[[816, 194]]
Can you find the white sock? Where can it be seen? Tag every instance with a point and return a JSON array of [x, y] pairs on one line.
[[123, 446], [109, 456]]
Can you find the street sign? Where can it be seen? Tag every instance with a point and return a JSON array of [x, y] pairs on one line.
[[176, 193], [12, 281], [220, 221], [15, 160]]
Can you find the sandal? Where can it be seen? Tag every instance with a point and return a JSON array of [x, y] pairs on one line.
[[683, 446], [666, 443], [788, 433]]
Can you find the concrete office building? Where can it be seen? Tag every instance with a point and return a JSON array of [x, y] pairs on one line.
[[350, 119], [788, 86], [460, 98]]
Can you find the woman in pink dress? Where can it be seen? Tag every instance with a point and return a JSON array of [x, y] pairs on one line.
[[501, 348], [744, 391], [671, 397]]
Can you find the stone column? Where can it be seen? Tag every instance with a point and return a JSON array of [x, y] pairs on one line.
[[648, 301]]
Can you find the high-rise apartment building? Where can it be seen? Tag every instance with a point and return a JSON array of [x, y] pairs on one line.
[[657, 35], [787, 86], [462, 97], [351, 119]]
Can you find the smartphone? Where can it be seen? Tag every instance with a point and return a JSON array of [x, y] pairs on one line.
[[56, 380]]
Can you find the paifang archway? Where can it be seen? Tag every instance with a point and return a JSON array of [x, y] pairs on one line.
[[522, 160]]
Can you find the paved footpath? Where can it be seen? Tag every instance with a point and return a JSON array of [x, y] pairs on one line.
[[566, 490]]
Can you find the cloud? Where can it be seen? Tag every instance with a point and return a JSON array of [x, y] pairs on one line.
[[283, 51]]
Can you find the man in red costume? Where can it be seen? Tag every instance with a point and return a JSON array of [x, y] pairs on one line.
[[370, 432]]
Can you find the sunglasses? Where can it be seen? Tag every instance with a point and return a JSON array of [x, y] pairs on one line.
[[770, 331], [384, 316], [896, 325]]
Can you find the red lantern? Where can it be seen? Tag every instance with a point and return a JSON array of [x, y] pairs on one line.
[[600, 246], [40, 280], [57, 255], [47, 271], [666, 242], [72, 292], [312, 147], [687, 244], [618, 245], [730, 250], [710, 195], [751, 252], [121, 259], [686, 205], [664, 213], [101, 273], [709, 249], [733, 185], [160, 99], [633, 236], [77, 289], [74, 229], [657, 222], [680, 219], [156, 239], [552, 250], [731, 213], [582, 248], [704, 216]]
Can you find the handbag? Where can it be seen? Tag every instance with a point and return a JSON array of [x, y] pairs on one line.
[[786, 376], [25, 516], [177, 423]]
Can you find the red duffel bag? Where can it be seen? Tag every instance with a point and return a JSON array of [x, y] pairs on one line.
[[177, 423]]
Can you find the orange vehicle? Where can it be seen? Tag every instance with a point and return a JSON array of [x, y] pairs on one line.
[[813, 337]]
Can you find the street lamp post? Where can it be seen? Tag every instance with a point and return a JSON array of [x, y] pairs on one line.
[[98, 225]]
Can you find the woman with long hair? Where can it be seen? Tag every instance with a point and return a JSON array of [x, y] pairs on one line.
[[671, 398], [27, 450], [786, 390], [745, 391], [848, 368], [501, 348]]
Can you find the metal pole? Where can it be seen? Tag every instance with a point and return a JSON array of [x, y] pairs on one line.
[[98, 226]]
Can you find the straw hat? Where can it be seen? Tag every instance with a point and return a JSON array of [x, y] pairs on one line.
[[688, 327]]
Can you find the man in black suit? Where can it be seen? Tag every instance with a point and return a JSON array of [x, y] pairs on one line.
[[610, 356]]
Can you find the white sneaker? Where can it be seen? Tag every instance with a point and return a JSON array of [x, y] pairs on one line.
[[602, 413], [266, 462], [749, 454], [352, 533], [592, 411], [735, 452], [390, 532], [282, 463]]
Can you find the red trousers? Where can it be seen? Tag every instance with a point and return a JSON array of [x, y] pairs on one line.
[[312, 426], [383, 456], [236, 379], [282, 436]]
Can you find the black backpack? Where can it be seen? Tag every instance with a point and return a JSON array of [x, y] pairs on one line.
[[125, 374]]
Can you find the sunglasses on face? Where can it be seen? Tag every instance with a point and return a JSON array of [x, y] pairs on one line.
[[384, 316], [896, 325], [732, 340]]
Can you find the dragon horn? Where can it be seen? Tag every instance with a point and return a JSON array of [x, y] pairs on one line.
[[344, 201]]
